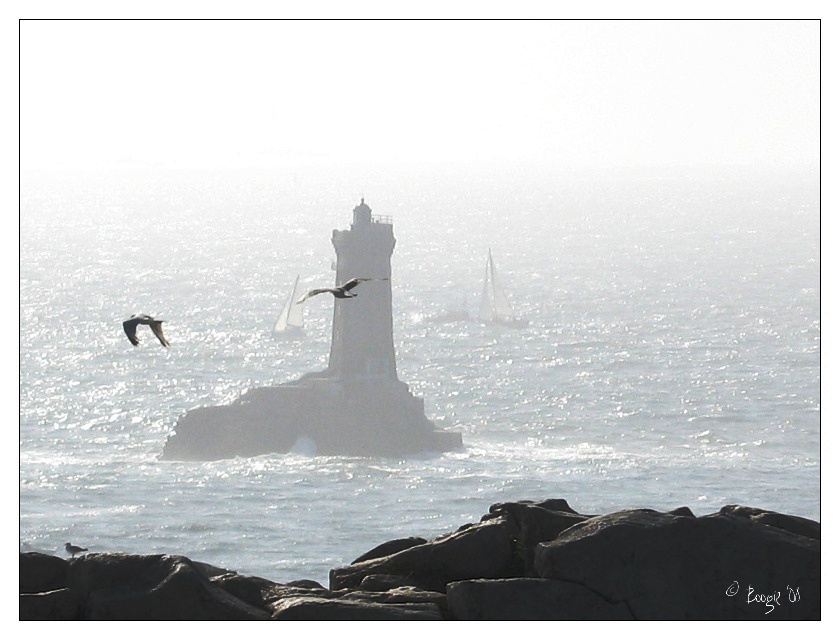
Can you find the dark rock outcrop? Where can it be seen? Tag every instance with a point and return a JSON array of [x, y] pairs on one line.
[[389, 548], [523, 561], [60, 604], [314, 608], [262, 593], [399, 595], [385, 582], [667, 567], [793, 524], [484, 550], [500, 546], [529, 599], [151, 587], [40, 572], [534, 522]]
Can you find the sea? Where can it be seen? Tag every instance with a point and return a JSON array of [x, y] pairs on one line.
[[671, 356]]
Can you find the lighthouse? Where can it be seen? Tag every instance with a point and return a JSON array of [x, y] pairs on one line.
[[356, 406], [362, 345]]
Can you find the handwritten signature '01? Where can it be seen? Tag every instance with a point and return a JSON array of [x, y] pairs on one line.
[[770, 600]]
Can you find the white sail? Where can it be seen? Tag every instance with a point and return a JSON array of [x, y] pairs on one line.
[[494, 303], [485, 311], [503, 309], [292, 315]]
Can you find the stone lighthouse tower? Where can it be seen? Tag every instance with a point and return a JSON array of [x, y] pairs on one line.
[[363, 327], [356, 406]]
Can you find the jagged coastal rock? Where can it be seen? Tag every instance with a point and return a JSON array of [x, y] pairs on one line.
[[524, 560]]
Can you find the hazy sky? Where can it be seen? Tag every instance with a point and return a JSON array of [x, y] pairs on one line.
[[275, 93]]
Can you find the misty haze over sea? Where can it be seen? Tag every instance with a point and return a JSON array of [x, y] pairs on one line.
[[672, 356]]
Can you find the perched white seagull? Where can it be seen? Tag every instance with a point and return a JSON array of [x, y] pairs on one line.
[[339, 292], [73, 549], [130, 327]]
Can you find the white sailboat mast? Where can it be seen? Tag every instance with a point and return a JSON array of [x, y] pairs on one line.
[[486, 312]]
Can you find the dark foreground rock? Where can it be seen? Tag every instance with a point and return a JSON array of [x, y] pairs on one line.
[[668, 567], [523, 561], [530, 599]]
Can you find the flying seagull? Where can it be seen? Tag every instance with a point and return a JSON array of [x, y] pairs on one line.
[[73, 549], [339, 292], [130, 327]]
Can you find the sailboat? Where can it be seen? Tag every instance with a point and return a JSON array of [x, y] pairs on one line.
[[290, 322], [495, 308]]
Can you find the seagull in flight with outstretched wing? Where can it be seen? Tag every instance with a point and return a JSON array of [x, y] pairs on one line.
[[339, 292], [130, 327]]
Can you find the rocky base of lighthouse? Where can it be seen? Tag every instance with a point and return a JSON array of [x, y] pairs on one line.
[[331, 417]]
